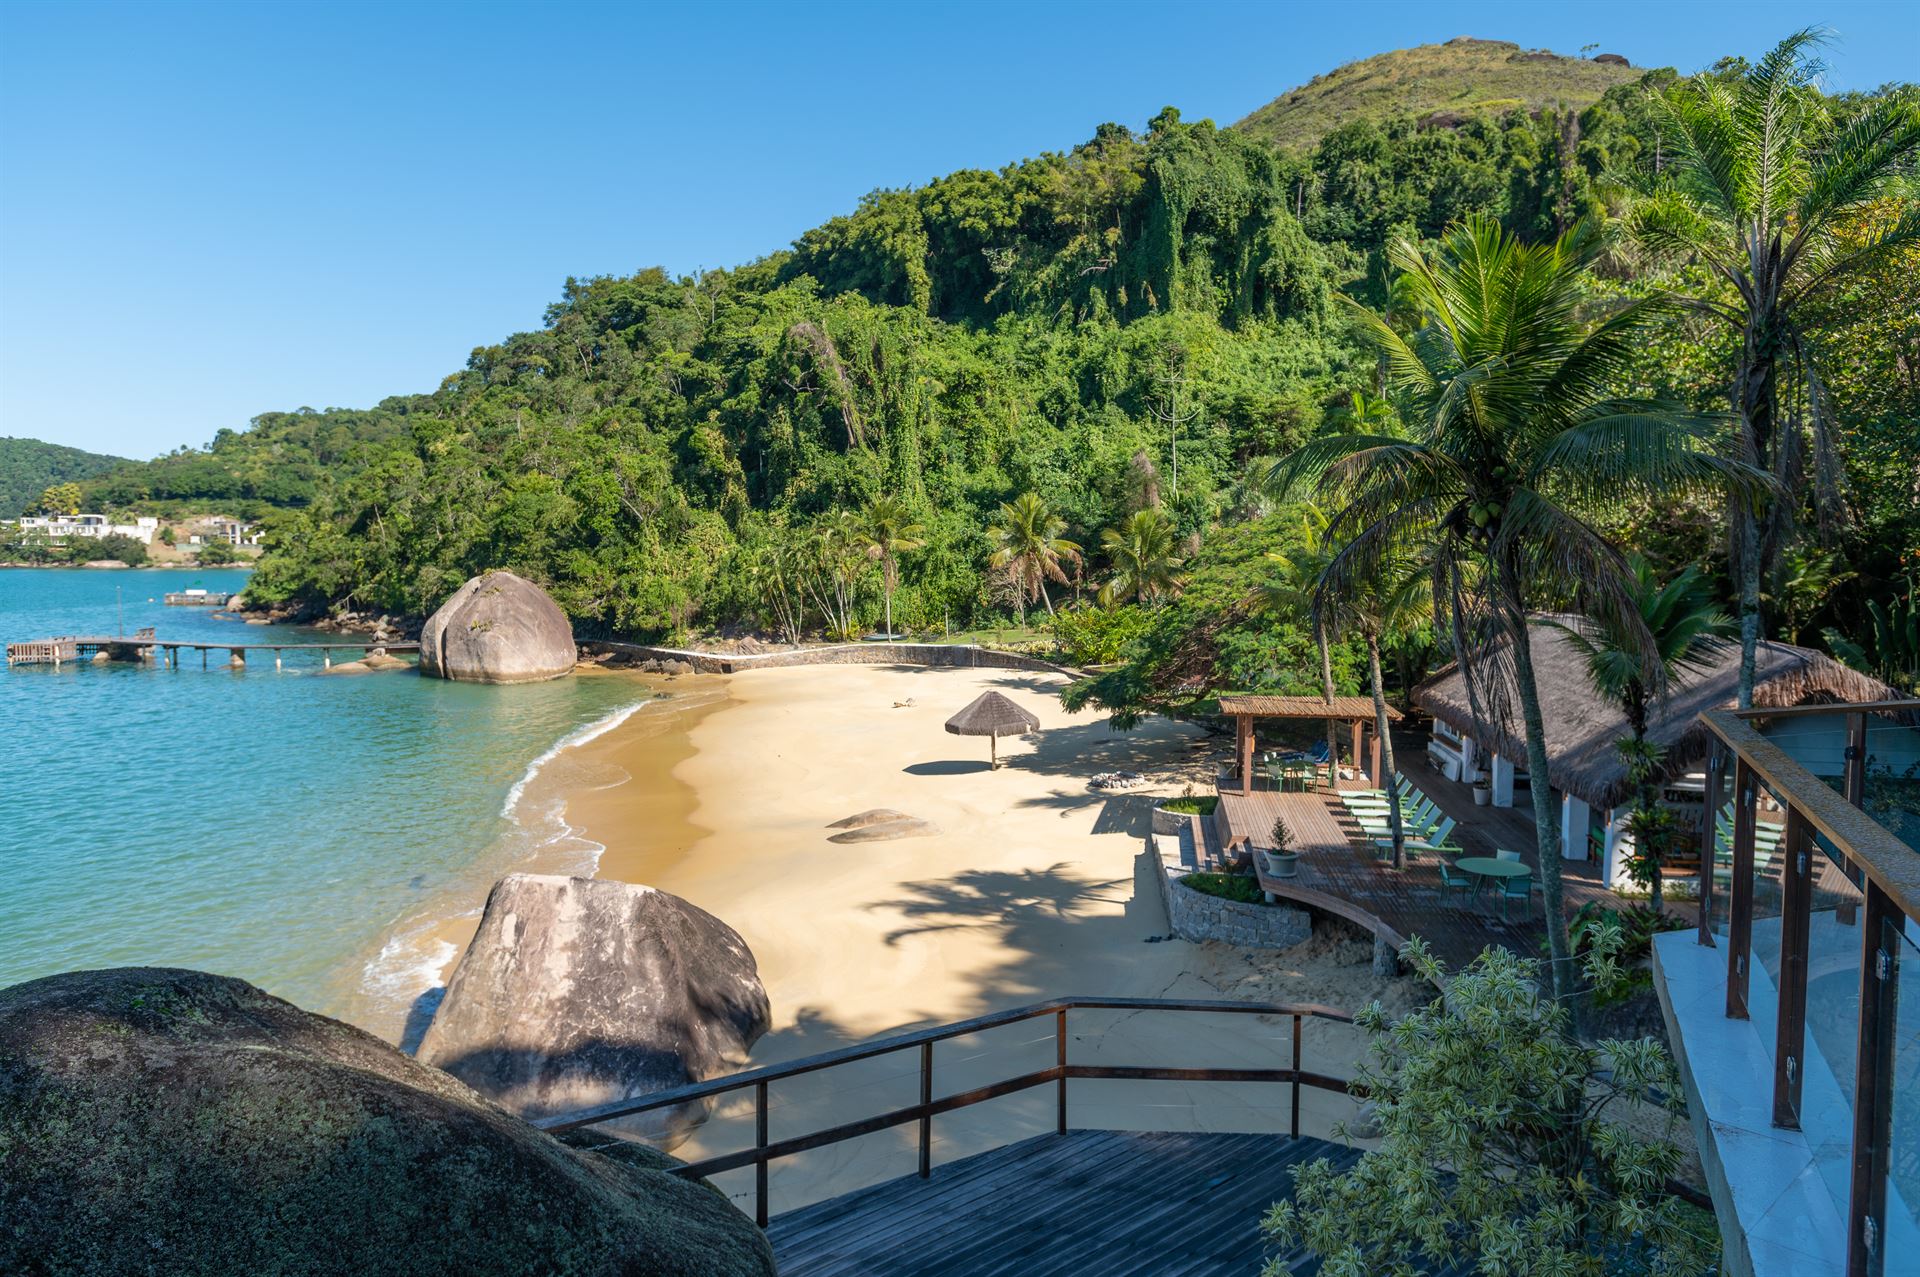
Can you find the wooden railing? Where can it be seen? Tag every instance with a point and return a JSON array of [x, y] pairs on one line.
[[765, 1150]]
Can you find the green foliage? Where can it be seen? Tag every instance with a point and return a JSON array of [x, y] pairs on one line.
[[1090, 635], [1499, 1148], [280, 460], [1141, 552], [1238, 887], [1189, 806], [1030, 548], [214, 553], [1461, 78], [1890, 642], [1213, 637], [1637, 928], [28, 468], [59, 499]]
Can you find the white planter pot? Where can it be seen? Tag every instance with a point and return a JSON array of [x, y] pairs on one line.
[[1481, 797], [1282, 864]]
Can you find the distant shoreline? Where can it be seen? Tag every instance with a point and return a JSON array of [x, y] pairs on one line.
[[136, 567]]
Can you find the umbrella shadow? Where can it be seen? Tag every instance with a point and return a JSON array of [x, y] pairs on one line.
[[947, 767]]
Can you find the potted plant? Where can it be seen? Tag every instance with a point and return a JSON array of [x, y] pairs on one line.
[[1283, 861], [1482, 792]]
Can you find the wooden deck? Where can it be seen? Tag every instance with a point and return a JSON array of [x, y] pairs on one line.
[[1086, 1202], [1336, 875]]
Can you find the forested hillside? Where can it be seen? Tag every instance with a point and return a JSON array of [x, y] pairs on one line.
[[1136, 325], [1439, 85], [28, 467], [280, 460]]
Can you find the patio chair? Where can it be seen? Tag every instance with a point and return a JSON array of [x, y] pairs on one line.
[[1514, 889], [1433, 840], [1454, 880], [1502, 853]]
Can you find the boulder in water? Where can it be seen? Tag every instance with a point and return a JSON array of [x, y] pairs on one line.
[[155, 1120], [497, 628], [578, 992]]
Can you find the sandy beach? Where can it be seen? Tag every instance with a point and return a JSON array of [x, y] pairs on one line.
[[1034, 886]]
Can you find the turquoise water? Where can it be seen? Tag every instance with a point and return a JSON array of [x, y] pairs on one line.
[[301, 831]]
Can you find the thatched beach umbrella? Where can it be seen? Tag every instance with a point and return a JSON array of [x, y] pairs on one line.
[[993, 716]]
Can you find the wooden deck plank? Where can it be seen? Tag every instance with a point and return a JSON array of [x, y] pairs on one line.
[[1059, 1206], [1335, 874]]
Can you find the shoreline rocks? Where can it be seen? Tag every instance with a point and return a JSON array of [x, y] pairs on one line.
[[498, 628], [161, 1120], [578, 992]]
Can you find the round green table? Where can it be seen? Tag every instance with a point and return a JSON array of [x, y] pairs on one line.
[[1490, 867]]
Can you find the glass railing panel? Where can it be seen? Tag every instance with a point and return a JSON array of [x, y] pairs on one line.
[[1817, 742], [1723, 867], [1763, 981], [1835, 925], [1899, 1230], [1893, 777]]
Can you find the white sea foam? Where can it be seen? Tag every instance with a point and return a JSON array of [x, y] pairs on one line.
[[408, 965], [579, 736]]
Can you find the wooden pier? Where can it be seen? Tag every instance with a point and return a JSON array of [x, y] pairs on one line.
[[144, 648]]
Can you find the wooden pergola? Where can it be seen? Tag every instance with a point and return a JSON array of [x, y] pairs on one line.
[[1355, 711]]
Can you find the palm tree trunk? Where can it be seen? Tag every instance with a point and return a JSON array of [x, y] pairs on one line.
[[1326, 689], [1387, 778], [1753, 403], [1546, 839], [1747, 564]]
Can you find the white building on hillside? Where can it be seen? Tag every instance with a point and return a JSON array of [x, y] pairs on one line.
[[58, 527]]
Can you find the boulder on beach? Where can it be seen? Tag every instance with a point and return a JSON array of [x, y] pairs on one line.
[[871, 816], [155, 1120], [880, 826], [497, 628], [578, 992]]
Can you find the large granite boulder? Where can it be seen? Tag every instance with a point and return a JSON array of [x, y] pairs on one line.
[[578, 992], [157, 1121], [497, 628]]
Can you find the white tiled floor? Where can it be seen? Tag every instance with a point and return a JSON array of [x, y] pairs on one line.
[[1788, 1224]]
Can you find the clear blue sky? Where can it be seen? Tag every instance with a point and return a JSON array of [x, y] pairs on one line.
[[212, 210]]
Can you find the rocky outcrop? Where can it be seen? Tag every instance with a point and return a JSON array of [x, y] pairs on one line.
[[164, 1121], [497, 628], [578, 992]]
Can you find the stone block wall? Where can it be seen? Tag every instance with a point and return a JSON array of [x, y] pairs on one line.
[[1197, 917]]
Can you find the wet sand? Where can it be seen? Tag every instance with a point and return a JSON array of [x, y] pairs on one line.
[[1034, 887]]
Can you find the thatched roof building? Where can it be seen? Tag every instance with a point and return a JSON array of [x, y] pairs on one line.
[[1582, 728]]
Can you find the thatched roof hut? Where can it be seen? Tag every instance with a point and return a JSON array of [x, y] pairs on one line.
[[993, 715], [1582, 728]]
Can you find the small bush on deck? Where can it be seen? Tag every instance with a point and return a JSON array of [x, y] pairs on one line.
[[1227, 887]]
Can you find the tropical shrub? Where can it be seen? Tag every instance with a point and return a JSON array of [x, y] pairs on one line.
[[1499, 1149]]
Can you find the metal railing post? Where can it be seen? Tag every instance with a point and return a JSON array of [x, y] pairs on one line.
[[1746, 801], [1060, 1058], [1790, 1026], [1294, 1128], [926, 1119], [760, 1149]]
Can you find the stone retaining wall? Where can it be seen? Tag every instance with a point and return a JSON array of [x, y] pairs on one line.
[[955, 655], [1197, 917]]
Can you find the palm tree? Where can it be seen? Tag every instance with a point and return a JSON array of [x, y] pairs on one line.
[[1028, 545], [1395, 601], [1140, 551], [1514, 433], [887, 530], [1292, 593], [1764, 175], [1686, 628]]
